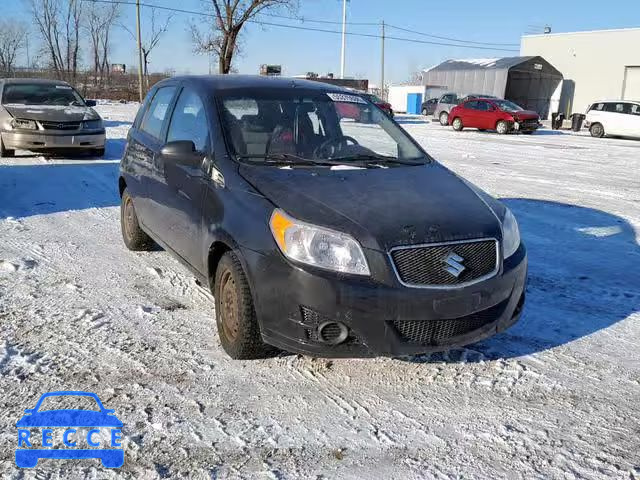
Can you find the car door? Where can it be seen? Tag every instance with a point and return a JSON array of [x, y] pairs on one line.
[[149, 140], [469, 114], [634, 120], [615, 119], [485, 115], [183, 180]]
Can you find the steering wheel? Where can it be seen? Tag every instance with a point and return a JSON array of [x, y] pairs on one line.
[[329, 148]]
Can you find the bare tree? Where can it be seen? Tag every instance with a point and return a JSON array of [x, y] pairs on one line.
[[100, 22], [229, 17], [151, 38], [13, 35], [59, 23]]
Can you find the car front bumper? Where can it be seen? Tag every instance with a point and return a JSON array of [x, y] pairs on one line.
[[381, 315], [37, 141]]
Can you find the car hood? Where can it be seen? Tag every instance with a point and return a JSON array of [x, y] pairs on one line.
[[382, 208], [51, 113], [525, 114], [69, 418]]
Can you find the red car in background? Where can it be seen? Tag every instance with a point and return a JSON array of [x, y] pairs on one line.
[[493, 114], [381, 104]]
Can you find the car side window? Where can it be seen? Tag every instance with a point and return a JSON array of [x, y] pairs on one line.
[[157, 113], [635, 109], [597, 106], [472, 105], [484, 106], [448, 99], [614, 107], [189, 121]]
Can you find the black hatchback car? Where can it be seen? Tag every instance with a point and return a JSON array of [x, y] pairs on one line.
[[319, 225]]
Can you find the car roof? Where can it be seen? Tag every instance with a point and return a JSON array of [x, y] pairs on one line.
[[616, 101], [43, 81], [229, 82]]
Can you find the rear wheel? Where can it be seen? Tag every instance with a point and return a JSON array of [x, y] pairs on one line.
[[502, 127], [444, 118], [596, 130], [238, 327], [5, 152], [134, 237], [457, 124], [425, 112]]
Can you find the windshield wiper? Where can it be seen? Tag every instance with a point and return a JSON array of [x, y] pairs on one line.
[[378, 159], [289, 159]]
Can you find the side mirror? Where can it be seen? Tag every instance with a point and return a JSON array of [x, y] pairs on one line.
[[90, 103], [179, 148]]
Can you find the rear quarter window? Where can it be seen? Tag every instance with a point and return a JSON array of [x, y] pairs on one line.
[[157, 113]]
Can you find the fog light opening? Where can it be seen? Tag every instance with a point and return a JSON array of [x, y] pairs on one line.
[[333, 333]]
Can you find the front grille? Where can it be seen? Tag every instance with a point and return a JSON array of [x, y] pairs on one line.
[[60, 125], [434, 332], [427, 265]]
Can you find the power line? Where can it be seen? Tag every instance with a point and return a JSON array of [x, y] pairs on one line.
[[304, 28], [452, 39]]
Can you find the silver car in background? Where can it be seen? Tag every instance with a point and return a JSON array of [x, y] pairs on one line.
[[47, 116], [450, 100]]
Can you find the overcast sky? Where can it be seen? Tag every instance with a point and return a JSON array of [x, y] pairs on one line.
[[302, 51]]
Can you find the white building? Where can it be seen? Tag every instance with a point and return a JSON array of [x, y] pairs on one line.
[[596, 65]]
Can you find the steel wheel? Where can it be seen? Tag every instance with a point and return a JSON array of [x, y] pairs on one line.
[[134, 237], [597, 130], [229, 304]]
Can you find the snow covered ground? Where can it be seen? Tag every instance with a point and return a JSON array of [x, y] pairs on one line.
[[556, 396]]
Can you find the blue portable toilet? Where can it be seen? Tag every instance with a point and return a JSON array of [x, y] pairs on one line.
[[414, 102]]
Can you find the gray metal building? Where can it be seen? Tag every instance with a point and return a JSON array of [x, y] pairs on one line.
[[528, 81]]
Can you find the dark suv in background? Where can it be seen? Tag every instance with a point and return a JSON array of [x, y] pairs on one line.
[[319, 224]]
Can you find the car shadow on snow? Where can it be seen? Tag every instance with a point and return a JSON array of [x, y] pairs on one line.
[[584, 276], [40, 189]]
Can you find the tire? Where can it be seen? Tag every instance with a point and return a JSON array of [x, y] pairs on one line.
[[457, 124], [134, 237], [444, 118], [502, 127], [425, 112], [596, 130], [238, 327], [4, 153]]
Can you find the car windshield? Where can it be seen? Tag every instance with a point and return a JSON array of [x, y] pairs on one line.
[[373, 98], [41, 94], [508, 106], [313, 128]]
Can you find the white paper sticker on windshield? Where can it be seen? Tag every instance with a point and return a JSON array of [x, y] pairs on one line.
[[63, 87], [344, 97]]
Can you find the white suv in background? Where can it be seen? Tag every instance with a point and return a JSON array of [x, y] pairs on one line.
[[614, 117]]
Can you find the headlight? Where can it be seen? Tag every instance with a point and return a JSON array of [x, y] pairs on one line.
[[92, 124], [510, 234], [317, 246], [24, 124]]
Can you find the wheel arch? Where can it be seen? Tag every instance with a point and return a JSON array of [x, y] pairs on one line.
[[122, 184]]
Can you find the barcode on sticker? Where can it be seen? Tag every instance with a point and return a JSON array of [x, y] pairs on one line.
[[344, 97]]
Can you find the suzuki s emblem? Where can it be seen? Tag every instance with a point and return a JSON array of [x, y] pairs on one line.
[[453, 264]]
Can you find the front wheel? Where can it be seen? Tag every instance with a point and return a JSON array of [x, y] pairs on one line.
[[444, 119], [596, 130], [425, 112], [457, 124], [238, 327], [502, 127]]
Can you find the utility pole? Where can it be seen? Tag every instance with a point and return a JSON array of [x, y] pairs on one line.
[[382, 71], [139, 51], [344, 37]]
